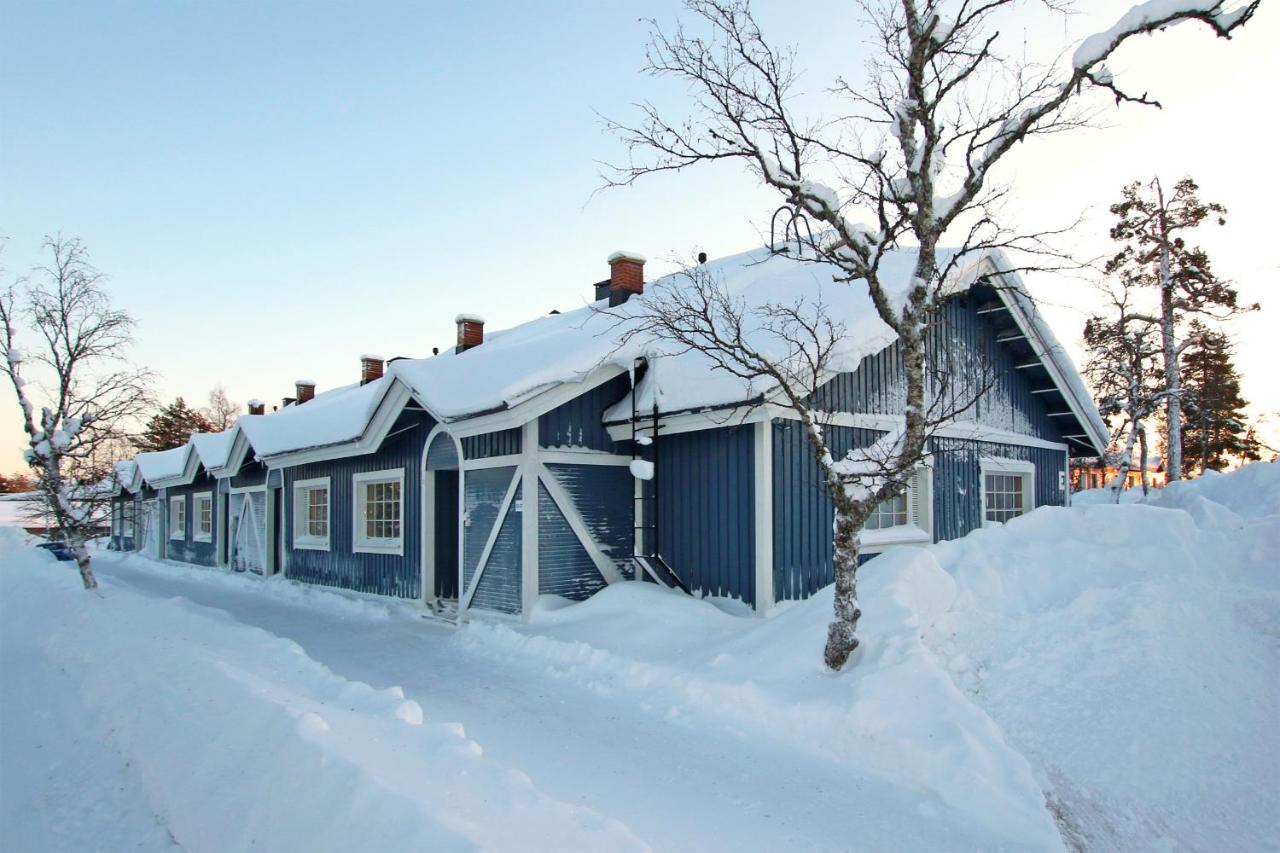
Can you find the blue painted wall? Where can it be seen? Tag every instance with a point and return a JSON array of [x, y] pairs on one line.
[[500, 585], [383, 574], [604, 497], [251, 473], [483, 492], [129, 507], [579, 423], [186, 549], [802, 511], [505, 442], [957, 481], [962, 346], [564, 568], [705, 517]]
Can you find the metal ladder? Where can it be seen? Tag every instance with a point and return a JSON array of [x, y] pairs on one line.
[[647, 558]]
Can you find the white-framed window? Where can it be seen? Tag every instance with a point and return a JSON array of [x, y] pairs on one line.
[[903, 520], [1008, 489], [202, 516], [178, 517], [116, 510], [311, 504], [379, 511]]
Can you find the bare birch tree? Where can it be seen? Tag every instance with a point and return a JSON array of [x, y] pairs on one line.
[[79, 343], [222, 411], [912, 155], [1123, 349]]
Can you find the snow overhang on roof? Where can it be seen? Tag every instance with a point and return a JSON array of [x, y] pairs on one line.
[[126, 476], [345, 421], [163, 468], [213, 448]]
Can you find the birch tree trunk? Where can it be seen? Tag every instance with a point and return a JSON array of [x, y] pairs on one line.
[[1169, 346]]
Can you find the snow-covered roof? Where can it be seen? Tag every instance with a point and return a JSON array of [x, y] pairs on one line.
[[162, 465], [333, 417], [126, 475], [213, 448], [516, 364]]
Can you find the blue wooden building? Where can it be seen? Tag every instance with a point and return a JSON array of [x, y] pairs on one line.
[[562, 455]]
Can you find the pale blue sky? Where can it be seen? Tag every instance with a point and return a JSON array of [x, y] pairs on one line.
[[275, 188]]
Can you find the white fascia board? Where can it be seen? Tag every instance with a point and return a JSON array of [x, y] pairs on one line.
[[190, 468], [240, 448], [531, 406], [693, 421], [393, 402], [1013, 293]]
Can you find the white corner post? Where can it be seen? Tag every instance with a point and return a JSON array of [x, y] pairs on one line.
[[762, 479], [529, 496]]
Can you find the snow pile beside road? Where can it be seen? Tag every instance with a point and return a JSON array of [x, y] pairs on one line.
[[895, 718], [240, 741], [1121, 659]]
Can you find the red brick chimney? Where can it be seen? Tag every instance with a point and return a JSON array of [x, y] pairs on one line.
[[370, 368], [305, 388], [626, 276], [257, 407], [470, 331]]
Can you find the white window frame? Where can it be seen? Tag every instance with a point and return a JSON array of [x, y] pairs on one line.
[[360, 543], [198, 535], [919, 527], [178, 531], [301, 491], [999, 465]]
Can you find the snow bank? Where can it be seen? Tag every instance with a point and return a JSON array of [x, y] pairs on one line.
[[895, 719], [1129, 652], [240, 741]]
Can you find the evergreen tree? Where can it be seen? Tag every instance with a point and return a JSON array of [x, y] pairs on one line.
[[1150, 224], [172, 427], [1214, 430]]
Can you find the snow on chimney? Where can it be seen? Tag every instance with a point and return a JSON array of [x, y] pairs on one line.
[[370, 368], [257, 407], [470, 331], [305, 388], [626, 276]]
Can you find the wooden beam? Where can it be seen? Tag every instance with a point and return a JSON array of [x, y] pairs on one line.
[[1028, 365], [1053, 390], [993, 309], [1062, 414], [1002, 339]]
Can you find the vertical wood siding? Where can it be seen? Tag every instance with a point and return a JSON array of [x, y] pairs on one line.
[[500, 585], [186, 549], [251, 473], [705, 516], [564, 567], [502, 443], [962, 347], [802, 510], [384, 574], [579, 422], [442, 454], [957, 481], [604, 497]]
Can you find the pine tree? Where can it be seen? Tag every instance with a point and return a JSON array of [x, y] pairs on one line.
[[1214, 431], [1155, 255], [172, 427]]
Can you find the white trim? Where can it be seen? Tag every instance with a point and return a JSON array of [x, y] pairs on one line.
[[511, 460], [302, 541], [390, 406], [763, 475], [360, 543], [492, 540], [1001, 465], [530, 407], [529, 499], [875, 541], [562, 456], [429, 567], [180, 501], [196, 534], [607, 568]]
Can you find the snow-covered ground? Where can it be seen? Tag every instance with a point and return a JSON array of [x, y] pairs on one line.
[[1104, 677]]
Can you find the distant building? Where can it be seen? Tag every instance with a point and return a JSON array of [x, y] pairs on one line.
[[1088, 472]]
